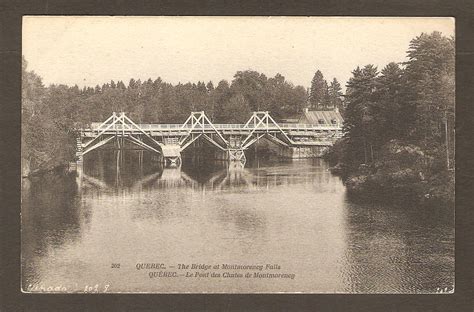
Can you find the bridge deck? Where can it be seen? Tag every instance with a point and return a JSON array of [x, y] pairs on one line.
[[179, 129], [284, 126], [169, 140]]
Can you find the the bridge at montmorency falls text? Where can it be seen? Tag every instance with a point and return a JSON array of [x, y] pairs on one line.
[[230, 140]]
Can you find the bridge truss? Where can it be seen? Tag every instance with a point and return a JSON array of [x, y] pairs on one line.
[[170, 140]]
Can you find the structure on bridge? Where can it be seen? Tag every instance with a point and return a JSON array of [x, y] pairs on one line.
[[229, 140]]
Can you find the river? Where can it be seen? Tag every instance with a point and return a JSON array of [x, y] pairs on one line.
[[96, 231]]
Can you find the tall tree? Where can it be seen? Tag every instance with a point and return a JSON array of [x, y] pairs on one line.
[[317, 91], [237, 109], [221, 95], [335, 94], [121, 85], [47, 140], [326, 103], [282, 98], [359, 116], [251, 85], [430, 75], [210, 86], [394, 118]]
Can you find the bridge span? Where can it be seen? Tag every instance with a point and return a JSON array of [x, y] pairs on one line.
[[230, 140]]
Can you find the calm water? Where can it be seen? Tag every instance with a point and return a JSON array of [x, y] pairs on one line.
[[293, 215]]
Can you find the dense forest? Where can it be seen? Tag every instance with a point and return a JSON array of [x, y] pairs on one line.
[[399, 125], [51, 113]]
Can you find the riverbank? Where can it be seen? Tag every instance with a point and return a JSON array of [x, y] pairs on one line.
[[402, 174], [27, 174]]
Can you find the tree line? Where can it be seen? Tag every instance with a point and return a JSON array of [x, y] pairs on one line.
[[399, 124], [51, 113], [398, 121]]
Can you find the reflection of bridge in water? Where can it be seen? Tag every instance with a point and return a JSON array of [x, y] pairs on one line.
[[211, 175], [229, 141], [233, 175]]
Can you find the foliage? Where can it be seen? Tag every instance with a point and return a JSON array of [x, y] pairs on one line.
[[51, 113], [360, 120], [398, 123], [237, 109], [318, 90], [323, 96], [335, 95], [430, 75], [47, 140]]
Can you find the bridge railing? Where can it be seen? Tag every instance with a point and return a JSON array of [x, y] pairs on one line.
[[308, 126], [156, 127]]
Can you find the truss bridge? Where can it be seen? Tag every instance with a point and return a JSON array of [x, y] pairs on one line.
[[230, 141]]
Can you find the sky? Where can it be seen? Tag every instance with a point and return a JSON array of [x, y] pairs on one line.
[[94, 50]]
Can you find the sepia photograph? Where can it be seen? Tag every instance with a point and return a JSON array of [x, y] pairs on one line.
[[238, 155]]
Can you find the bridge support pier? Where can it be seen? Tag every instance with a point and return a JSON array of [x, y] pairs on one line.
[[172, 161], [79, 156], [171, 155], [236, 154]]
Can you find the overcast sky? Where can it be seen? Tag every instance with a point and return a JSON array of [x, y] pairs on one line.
[[94, 50]]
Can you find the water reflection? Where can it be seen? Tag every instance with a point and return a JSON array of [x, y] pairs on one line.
[[49, 219], [115, 171], [125, 207], [415, 239]]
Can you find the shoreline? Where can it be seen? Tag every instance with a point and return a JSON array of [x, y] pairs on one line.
[[366, 187], [42, 171]]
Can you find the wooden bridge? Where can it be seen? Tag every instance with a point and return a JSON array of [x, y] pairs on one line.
[[229, 140]]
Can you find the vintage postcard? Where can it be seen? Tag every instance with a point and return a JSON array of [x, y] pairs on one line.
[[237, 155]]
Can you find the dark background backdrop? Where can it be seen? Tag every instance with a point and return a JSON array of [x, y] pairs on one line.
[[11, 298]]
